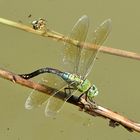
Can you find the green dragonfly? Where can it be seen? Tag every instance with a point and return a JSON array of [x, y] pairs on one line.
[[79, 61]]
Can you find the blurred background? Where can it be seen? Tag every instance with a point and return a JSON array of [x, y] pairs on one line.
[[116, 78]]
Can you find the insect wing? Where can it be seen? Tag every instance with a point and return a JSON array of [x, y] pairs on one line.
[[88, 55], [71, 52], [36, 98], [54, 105]]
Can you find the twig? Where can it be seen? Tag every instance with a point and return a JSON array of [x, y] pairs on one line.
[[88, 107], [59, 37]]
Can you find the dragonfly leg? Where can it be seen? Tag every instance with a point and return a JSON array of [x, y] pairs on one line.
[[83, 95], [91, 104], [79, 100]]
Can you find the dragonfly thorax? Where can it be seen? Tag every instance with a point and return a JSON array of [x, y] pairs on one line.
[[78, 83], [70, 78]]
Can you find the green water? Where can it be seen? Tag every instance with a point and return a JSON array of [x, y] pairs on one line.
[[116, 78]]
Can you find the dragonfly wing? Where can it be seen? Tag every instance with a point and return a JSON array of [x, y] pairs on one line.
[[54, 105], [88, 55], [36, 98], [72, 53], [70, 60]]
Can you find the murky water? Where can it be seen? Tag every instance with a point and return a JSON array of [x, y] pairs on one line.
[[116, 78]]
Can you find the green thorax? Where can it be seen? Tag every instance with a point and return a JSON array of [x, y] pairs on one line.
[[84, 86], [81, 85]]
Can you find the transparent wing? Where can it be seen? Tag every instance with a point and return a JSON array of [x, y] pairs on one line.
[[88, 55], [71, 61], [72, 53], [36, 98], [54, 105]]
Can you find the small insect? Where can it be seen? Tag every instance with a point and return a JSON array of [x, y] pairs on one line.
[[39, 24]]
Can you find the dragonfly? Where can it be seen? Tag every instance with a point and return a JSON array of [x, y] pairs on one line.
[[78, 61]]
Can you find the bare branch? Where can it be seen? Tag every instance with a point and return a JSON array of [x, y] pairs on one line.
[[59, 37], [88, 107]]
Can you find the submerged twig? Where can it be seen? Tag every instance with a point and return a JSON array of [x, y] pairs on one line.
[[88, 107], [59, 37]]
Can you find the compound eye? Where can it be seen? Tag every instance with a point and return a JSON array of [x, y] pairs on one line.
[[93, 90]]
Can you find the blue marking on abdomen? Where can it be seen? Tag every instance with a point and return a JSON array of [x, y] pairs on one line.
[[65, 76]]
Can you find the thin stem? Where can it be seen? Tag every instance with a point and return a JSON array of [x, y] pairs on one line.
[[59, 37], [115, 118]]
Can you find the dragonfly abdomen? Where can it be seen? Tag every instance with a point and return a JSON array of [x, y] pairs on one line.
[[41, 71]]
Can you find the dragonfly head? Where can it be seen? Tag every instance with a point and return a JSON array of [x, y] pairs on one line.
[[92, 92]]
